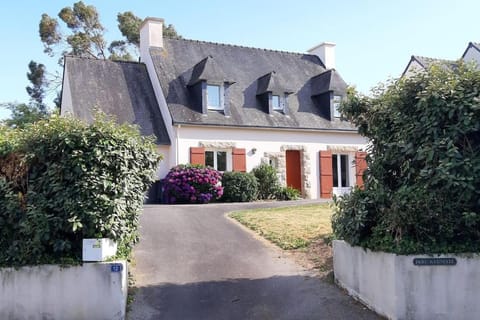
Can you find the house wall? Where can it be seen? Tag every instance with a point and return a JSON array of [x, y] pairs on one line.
[[164, 166], [90, 291], [472, 54], [66, 103], [268, 143]]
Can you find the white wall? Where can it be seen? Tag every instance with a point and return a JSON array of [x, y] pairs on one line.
[[394, 287], [91, 291], [164, 166], [268, 140], [66, 103]]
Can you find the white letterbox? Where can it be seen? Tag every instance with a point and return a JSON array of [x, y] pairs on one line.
[[98, 249]]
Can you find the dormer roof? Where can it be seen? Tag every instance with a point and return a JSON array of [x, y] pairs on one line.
[[328, 81], [208, 70], [270, 82]]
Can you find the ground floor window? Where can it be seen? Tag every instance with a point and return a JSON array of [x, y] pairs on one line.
[[340, 168], [218, 159]]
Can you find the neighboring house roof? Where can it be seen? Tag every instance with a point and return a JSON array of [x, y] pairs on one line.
[[426, 62], [121, 89], [474, 45], [180, 63]]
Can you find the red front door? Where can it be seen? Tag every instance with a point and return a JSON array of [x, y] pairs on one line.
[[294, 171]]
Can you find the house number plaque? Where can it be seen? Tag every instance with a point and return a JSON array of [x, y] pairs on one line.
[[434, 261]]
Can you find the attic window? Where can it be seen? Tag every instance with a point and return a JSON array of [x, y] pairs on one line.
[[336, 106], [213, 97], [276, 105]]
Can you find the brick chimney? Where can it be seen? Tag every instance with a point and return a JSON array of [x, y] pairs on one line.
[[151, 35], [326, 52]]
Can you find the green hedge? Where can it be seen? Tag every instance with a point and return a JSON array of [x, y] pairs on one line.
[[422, 186], [239, 187], [62, 181]]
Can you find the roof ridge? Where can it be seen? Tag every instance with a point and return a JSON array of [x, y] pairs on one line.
[[438, 59], [237, 46], [104, 60]]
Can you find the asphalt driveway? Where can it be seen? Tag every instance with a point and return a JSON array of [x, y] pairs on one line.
[[192, 262]]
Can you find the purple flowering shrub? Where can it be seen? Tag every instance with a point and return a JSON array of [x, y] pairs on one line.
[[192, 184]]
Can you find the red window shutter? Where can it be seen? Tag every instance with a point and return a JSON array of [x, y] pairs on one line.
[[360, 166], [326, 174], [197, 155], [239, 160]]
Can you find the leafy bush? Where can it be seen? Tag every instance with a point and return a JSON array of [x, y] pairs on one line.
[[422, 185], [287, 193], [62, 180], [239, 187], [268, 184], [192, 184]]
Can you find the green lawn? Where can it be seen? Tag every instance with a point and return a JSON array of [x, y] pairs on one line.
[[289, 227]]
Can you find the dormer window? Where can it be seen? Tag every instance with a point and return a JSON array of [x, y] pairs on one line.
[[276, 105], [328, 88], [336, 105], [214, 102], [272, 94], [209, 87]]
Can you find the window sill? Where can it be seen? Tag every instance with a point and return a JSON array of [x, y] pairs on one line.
[[340, 191]]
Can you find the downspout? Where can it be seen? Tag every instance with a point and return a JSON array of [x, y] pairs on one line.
[[177, 147]]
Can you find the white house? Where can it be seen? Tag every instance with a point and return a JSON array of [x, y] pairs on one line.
[[229, 107], [419, 63]]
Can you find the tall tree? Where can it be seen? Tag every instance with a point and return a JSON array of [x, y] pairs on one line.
[[86, 36], [22, 114], [87, 33], [129, 26], [36, 90]]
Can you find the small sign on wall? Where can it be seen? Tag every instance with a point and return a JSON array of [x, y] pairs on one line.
[[434, 261], [116, 267]]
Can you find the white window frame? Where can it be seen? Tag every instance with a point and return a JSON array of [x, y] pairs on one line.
[[220, 106], [339, 170], [278, 107], [336, 104], [229, 157]]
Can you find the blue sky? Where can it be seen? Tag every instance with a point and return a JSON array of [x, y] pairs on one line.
[[374, 38]]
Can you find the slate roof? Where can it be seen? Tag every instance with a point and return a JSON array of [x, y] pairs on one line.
[[475, 45], [181, 62], [121, 89], [426, 62]]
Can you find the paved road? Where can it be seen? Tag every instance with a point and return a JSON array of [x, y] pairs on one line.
[[194, 263]]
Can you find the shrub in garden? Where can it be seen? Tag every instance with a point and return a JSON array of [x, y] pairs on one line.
[[268, 184], [62, 180], [192, 184], [422, 185], [287, 193], [239, 187]]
